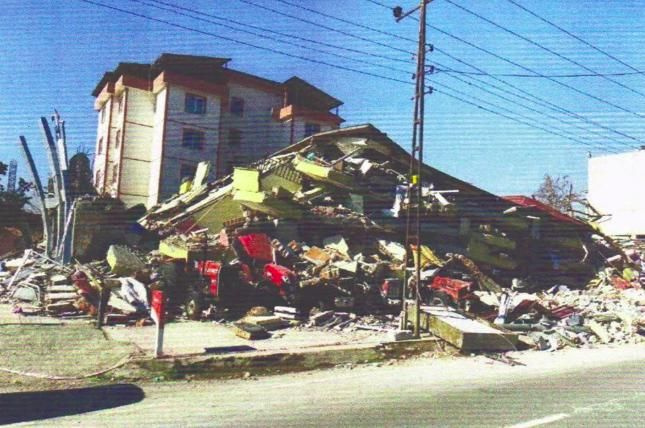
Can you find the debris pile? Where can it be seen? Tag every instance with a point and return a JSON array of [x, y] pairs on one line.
[[318, 235], [38, 285]]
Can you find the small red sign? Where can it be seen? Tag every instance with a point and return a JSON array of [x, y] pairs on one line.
[[158, 307]]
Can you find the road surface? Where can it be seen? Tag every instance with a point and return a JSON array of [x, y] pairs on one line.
[[574, 388]]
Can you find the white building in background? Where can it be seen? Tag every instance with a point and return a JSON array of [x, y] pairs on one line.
[[615, 183], [157, 121]]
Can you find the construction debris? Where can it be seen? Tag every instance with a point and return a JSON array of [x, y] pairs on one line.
[[315, 237]]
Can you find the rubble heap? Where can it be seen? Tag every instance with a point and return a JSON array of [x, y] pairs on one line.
[[317, 234]]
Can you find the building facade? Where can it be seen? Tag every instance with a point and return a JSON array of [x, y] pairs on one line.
[[613, 190], [157, 121]]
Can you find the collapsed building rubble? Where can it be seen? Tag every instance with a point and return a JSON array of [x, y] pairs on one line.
[[317, 236]]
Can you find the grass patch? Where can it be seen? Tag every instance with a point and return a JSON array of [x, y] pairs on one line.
[[59, 350]]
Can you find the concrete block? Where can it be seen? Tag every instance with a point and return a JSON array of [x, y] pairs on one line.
[[58, 279], [123, 261], [249, 331]]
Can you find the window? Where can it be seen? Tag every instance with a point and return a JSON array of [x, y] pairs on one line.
[[97, 178], [103, 113], [311, 129], [118, 138], [193, 139], [234, 137], [195, 104], [237, 106], [99, 148], [187, 171], [121, 102], [115, 172]]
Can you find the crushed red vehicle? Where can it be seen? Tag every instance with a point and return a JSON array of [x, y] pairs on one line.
[[251, 276]]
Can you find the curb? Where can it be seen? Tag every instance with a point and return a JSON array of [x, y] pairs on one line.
[[267, 363]]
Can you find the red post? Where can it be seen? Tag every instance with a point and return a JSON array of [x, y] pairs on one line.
[[157, 312]]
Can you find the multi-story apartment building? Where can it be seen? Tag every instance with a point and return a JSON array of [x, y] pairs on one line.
[[157, 121]]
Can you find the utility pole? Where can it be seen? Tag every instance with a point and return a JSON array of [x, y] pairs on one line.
[[416, 163]]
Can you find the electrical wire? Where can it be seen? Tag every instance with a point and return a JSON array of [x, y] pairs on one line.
[[291, 36], [172, 10], [172, 7], [408, 39], [571, 75], [315, 61], [597, 49], [317, 24], [551, 116], [564, 57], [474, 46], [532, 71], [193, 11], [230, 39], [528, 108], [590, 144], [547, 104]]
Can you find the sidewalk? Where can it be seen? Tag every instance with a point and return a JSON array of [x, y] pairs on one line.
[[183, 338], [54, 348], [195, 349]]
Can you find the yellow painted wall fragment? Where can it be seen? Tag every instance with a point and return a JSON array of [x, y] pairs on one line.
[[246, 179]]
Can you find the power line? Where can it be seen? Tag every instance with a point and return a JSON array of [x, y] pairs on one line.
[[310, 60], [173, 8], [551, 51], [346, 21], [544, 103], [317, 24], [292, 36], [506, 116], [531, 71], [493, 54], [528, 108], [550, 131], [450, 70], [407, 39], [193, 11], [315, 61], [575, 37]]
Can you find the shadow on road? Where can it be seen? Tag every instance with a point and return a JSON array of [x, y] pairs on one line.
[[32, 406]]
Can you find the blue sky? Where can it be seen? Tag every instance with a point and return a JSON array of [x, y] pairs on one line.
[[53, 54]]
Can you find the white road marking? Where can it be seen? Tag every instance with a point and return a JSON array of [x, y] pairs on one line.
[[541, 421]]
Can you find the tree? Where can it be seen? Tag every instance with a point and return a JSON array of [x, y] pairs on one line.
[[12, 203], [559, 193]]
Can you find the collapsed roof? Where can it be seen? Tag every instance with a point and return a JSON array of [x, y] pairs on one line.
[[361, 169]]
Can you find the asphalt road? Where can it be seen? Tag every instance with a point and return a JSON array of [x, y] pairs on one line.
[[579, 388]]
